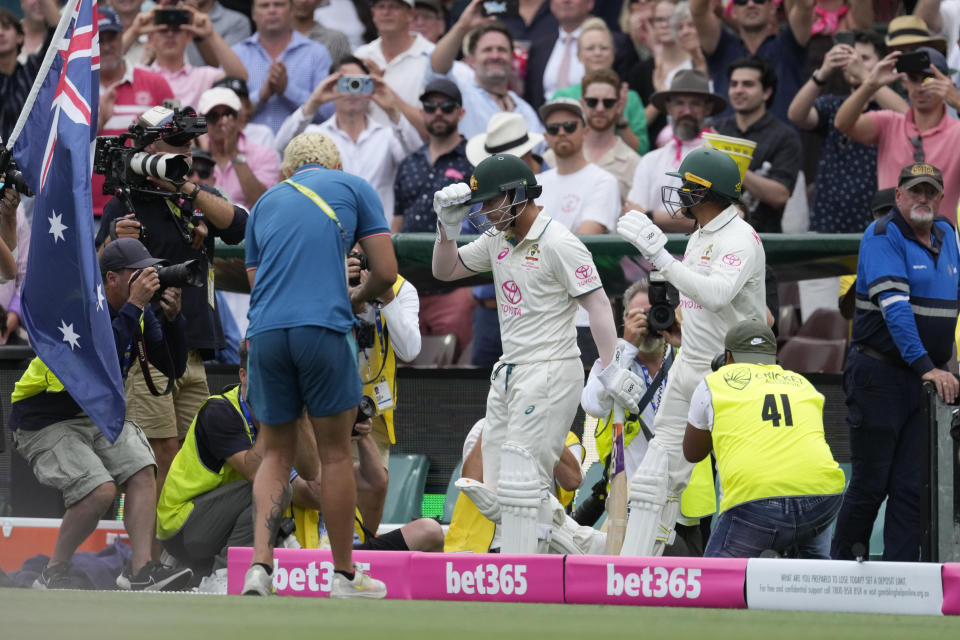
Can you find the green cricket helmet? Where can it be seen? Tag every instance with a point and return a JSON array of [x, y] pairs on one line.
[[703, 170], [501, 175]]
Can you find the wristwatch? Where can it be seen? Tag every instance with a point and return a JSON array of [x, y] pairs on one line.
[[239, 158]]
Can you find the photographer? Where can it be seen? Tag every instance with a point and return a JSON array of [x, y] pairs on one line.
[[389, 331], [69, 453], [721, 282], [176, 223]]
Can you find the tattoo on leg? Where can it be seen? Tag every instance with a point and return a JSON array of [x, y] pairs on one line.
[[275, 516]]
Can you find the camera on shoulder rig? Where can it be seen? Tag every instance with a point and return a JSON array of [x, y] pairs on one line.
[[127, 167]]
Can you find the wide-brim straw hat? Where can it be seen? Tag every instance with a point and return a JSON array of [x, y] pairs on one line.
[[690, 82], [911, 31]]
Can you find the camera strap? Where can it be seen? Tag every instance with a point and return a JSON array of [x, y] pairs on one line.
[[655, 384], [320, 202], [141, 349]]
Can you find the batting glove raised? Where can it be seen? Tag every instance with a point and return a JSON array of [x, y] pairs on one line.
[[623, 386], [639, 230], [451, 206]]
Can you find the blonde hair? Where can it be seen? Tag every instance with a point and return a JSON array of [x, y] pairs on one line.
[[310, 148], [594, 24]]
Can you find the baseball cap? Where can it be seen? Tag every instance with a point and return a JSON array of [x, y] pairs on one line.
[[914, 174], [126, 253], [218, 96], [443, 87], [562, 104], [108, 20], [936, 60], [235, 84], [201, 155], [430, 4], [751, 341]]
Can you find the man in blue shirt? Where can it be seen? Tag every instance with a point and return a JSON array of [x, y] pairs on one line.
[[785, 50], [284, 65], [301, 349], [906, 313]]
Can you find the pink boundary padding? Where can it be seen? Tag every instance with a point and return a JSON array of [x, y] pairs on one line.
[[951, 588], [672, 582], [501, 577], [294, 575]]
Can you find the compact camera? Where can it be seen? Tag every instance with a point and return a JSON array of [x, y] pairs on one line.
[[356, 85]]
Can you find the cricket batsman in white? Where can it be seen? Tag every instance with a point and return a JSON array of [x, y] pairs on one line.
[[541, 272], [721, 283]]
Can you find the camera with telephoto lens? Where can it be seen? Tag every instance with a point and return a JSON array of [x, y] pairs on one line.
[[365, 410], [125, 168], [664, 300], [186, 274]]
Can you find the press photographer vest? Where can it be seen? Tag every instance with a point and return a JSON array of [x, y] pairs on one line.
[[189, 477], [699, 499], [768, 435], [378, 366]]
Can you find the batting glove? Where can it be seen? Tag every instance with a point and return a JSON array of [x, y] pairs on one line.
[[639, 230], [451, 206], [623, 385]]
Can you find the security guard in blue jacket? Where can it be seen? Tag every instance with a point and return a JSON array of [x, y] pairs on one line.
[[906, 312]]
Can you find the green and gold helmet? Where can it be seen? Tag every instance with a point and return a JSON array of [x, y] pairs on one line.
[[701, 171], [498, 176]]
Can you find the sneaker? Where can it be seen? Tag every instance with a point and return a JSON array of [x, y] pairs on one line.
[[257, 582], [57, 577], [362, 586], [154, 577], [216, 582]]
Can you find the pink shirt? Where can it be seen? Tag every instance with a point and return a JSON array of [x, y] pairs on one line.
[[940, 145], [263, 162], [188, 83]]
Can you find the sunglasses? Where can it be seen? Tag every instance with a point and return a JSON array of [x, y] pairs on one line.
[[201, 172], [214, 116], [446, 107], [741, 3], [608, 103], [569, 126]]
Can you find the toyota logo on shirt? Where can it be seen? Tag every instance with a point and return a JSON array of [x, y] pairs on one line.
[[584, 271], [511, 292]]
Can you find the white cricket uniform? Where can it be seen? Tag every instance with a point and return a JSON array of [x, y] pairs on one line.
[[721, 282], [535, 387]]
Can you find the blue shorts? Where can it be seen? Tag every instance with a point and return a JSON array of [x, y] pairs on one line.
[[312, 366]]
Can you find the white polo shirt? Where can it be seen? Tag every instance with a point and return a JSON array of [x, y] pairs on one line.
[[722, 281], [404, 73], [537, 281], [651, 173], [588, 194]]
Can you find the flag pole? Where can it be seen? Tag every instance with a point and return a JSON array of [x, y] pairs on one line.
[[52, 51]]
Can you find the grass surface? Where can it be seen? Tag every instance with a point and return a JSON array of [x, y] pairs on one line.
[[103, 615]]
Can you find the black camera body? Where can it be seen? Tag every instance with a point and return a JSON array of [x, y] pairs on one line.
[[664, 300], [13, 179], [125, 168], [186, 274], [364, 266]]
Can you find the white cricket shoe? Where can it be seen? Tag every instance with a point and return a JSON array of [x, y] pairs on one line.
[[257, 582], [362, 586]]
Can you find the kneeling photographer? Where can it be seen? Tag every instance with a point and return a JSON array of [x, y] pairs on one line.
[[68, 452], [388, 330], [177, 220]]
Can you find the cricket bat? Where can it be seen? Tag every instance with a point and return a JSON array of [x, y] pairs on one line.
[[617, 496]]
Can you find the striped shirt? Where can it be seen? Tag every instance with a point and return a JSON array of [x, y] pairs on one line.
[[307, 62], [138, 90]]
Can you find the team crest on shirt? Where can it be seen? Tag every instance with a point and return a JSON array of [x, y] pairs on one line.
[[532, 259], [473, 183], [706, 255], [737, 377]]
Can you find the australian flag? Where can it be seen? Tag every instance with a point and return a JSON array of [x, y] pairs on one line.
[[64, 308]]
